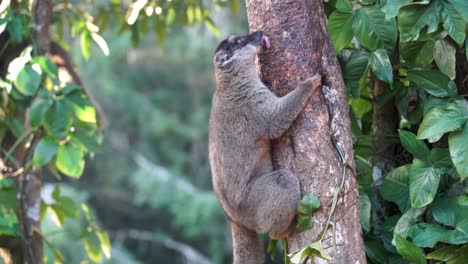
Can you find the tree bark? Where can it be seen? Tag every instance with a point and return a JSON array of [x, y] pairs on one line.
[[301, 47], [31, 180]]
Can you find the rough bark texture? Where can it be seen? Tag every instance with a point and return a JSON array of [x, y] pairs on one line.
[[30, 181], [300, 48]]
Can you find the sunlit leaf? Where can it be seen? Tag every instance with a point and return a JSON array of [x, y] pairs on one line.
[[28, 80], [105, 243], [458, 145], [424, 181], [70, 160], [441, 120], [381, 66], [444, 55], [93, 246]]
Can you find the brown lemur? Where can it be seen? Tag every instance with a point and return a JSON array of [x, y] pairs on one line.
[[245, 116]]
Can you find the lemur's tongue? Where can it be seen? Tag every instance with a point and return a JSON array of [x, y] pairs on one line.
[[266, 41]]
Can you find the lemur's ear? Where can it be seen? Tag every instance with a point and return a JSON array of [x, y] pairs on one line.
[[222, 59]]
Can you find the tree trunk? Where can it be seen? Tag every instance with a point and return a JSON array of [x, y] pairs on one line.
[[301, 47], [31, 180]]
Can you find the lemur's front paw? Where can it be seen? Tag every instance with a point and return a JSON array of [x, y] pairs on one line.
[[312, 83]]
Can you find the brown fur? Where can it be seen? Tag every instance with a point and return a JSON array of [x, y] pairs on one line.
[[245, 116]]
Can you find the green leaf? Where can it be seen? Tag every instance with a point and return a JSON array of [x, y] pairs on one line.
[[45, 150], [375, 251], [413, 18], [407, 222], [46, 65], [85, 44], [70, 160], [409, 251], [434, 82], [443, 254], [441, 120], [343, 6], [340, 28], [444, 55], [453, 22], [459, 150], [392, 7], [365, 211], [424, 181], [83, 110], [308, 204], [105, 243], [93, 246], [58, 119], [430, 236], [395, 187], [15, 28], [413, 145], [314, 249], [354, 69], [28, 80], [462, 8], [304, 223], [373, 31], [37, 111], [449, 212], [417, 53], [381, 65]]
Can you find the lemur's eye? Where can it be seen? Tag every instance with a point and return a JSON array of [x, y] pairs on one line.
[[240, 40]]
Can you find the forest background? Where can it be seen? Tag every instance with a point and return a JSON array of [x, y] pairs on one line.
[[145, 193]]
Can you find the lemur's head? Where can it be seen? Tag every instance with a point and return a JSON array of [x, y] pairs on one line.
[[239, 50]]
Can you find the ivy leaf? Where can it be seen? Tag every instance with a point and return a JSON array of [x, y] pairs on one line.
[[441, 120], [413, 145], [373, 31], [395, 187], [417, 53], [45, 150], [409, 251], [340, 28], [381, 66], [58, 119], [37, 111], [424, 181], [444, 55], [459, 150], [434, 82], [28, 80], [70, 160], [391, 8], [453, 22], [413, 18], [308, 204]]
